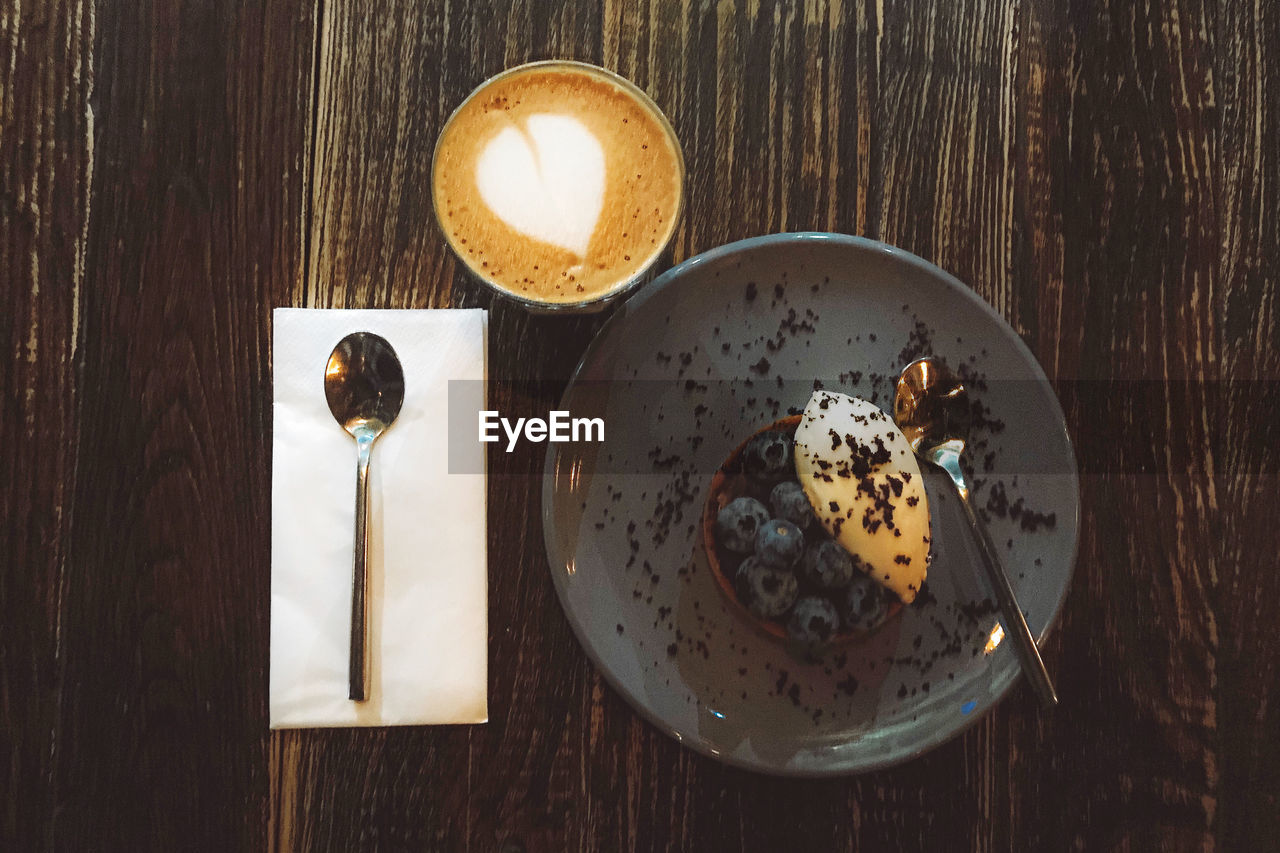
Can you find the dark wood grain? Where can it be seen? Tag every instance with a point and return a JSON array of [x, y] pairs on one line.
[[46, 163], [1138, 265], [1105, 174], [1247, 180], [193, 117]]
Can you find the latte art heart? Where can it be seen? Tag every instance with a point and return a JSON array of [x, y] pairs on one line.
[[557, 183], [545, 180]]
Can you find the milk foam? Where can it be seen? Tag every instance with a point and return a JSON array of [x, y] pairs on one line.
[[545, 180]]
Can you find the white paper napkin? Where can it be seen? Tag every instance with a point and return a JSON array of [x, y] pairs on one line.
[[427, 565]]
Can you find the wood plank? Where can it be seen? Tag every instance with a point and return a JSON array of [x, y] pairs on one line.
[[1247, 176], [1117, 184], [199, 118], [46, 163]]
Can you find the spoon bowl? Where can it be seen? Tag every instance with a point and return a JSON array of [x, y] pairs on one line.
[[364, 383], [364, 386], [932, 409]]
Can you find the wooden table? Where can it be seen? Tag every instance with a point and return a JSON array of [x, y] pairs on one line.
[[1106, 174]]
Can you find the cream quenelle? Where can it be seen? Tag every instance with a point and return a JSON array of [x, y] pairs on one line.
[[864, 484]]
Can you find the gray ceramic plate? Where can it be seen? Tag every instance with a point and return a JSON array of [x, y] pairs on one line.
[[684, 371]]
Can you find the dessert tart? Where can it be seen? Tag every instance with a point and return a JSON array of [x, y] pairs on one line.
[[816, 527]]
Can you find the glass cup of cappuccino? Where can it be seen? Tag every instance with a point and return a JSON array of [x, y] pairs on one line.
[[558, 184]]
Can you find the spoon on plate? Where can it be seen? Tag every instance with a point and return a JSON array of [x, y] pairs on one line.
[[932, 410], [364, 385]]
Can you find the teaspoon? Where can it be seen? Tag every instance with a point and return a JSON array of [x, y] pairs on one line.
[[364, 385], [932, 410]]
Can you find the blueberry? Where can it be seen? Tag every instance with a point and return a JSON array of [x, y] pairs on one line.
[[737, 523], [827, 565], [779, 543], [814, 620], [788, 501], [766, 592], [767, 457], [864, 606]]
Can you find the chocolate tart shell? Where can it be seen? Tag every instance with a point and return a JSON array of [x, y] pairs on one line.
[[728, 483]]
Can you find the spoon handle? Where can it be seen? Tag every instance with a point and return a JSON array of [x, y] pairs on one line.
[[358, 669], [1014, 622]]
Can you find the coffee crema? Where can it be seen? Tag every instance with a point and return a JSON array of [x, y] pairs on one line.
[[557, 183]]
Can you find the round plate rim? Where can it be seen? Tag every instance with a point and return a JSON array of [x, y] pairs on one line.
[[666, 279]]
